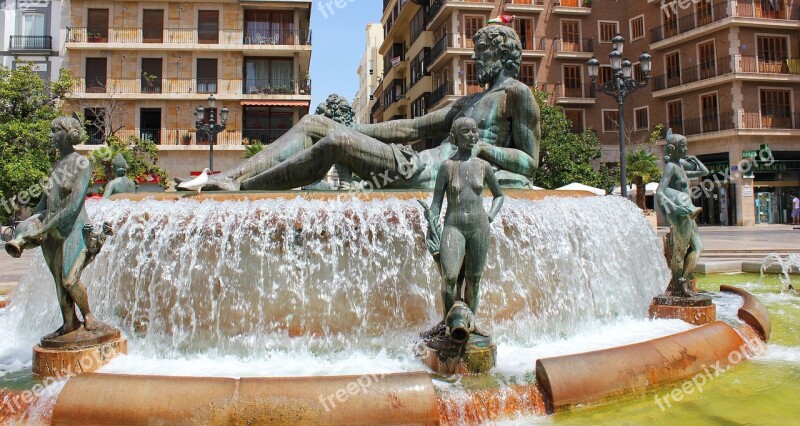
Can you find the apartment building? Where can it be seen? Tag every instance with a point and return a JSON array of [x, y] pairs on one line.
[[370, 73], [725, 74], [143, 68], [31, 32]]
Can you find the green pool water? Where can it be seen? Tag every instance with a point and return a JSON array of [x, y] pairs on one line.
[[761, 391]]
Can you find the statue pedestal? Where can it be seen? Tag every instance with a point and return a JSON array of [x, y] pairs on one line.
[[78, 352], [697, 310], [445, 356]]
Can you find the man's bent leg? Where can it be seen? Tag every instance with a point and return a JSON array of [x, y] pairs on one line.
[[362, 154]]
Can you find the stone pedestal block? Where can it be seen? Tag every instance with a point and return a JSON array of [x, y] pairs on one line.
[[64, 363], [696, 310], [78, 352]]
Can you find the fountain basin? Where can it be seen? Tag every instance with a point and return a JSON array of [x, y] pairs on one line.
[[407, 398]]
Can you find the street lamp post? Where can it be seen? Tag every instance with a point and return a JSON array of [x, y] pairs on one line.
[[206, 121], [619, 87]]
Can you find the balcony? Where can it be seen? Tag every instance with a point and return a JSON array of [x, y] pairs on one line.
[[444, 90], [30, 43], [459, 44], [524, 5], [581, 94], [758, 9], [188, 36], [432, 14], [136, 87], [571, 7], [748, 67], [739, 120], [577, 48], [197, 139]]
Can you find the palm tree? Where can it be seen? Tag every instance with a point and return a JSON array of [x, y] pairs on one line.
[[642, 168]]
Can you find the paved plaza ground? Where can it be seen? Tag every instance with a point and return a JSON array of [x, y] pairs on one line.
[[722, 244]]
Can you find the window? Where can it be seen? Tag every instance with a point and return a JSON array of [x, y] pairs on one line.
[[610, 120], [772, 54], [606, 73], [151, 75], [472, 86], [208, 26], [675, 116], [607, 31], [207, 75], [33, 24], [710, 113], [673, 62], [641, 118], [420, 106], [97, 26], [527, 74], [95, 129], [703, 12], [153, 26], [96, 75], [575, 116], [637, 27], [269, 27], [776, 109], [471, 26], [570, 36], [768, 9], [638, 74], [269, 76], [670, 20], [524, 27], [266, 124], [573, 84], [417, 25], [419, 65], [707, 59]]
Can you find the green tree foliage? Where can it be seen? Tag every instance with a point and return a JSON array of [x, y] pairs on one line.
[[643, 165], [27, 106], [253, 149], [140, 154], [566, 157], [642, 169]]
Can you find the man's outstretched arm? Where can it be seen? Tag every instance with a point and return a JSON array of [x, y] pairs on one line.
[[526, 132], [429, 125]]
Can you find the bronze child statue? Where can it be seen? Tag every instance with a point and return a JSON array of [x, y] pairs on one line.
[[461, 246], [676, 205], [60, 227], [121, 184]]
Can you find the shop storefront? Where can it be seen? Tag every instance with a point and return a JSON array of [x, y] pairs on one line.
[[774, 183]]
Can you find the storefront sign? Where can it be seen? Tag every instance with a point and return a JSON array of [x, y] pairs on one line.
[[750, 154]]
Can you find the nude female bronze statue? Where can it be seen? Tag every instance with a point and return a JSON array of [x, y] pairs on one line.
[[676, 205], [60, 227], [506, 114], [122, 184], [464, 241]]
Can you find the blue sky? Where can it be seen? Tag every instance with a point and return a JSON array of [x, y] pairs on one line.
[[338, 45]]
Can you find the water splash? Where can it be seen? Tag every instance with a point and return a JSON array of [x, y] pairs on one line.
[[328, 278], [788, 265]]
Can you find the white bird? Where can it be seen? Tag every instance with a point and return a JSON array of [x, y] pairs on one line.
[[197, 183]]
